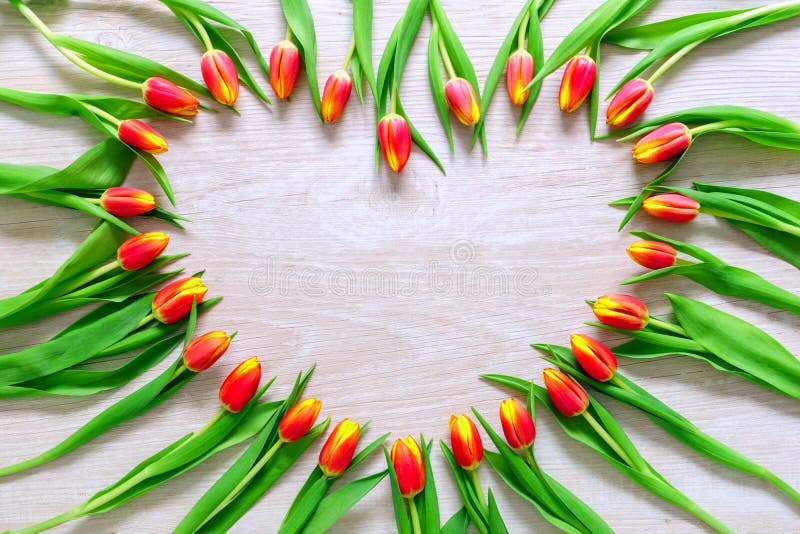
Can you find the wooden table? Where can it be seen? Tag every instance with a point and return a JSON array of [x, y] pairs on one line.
[[403, 288]]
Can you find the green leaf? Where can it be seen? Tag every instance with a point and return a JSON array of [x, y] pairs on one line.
[[427, 501], [469, 496], [784, 246], [437, 85], [458, 523], [750, 348], [362, 33], [648, 36], [306, 502], [398, 503], [301, 22], [536, 49], [418, 140], [496, 524], [337, 503]]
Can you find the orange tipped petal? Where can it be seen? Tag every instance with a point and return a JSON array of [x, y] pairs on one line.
[[127, 201], [141, 135], [335, 95], [299, 419], [652, 254], [466, 442], [621, 311], [409, 466], [517, 423], [337, 453], [519, 73], [629, 102], [463, 101], [203, 351], [241, 385], [567, 395], [165, 96], [174, 301], [672, 207], [595, 358], [220, 76], [284, 66], [576, 83], [140, 250], [394, 137]]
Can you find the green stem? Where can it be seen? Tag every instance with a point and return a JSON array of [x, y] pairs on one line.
[[775, 224], [201, 30], [719, 125], [611, 442], [476, 483], [681, 261], [178, 372], [350, 49], [100, 113], [50, 523], [146, 319], [448, 65], [523, 29], [669, 327], [412, 507], [394, 96], [289, 33], [781, 485], [91, 275], [620, 384], [672, 60]]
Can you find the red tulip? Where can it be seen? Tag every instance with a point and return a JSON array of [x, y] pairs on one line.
[[652, 254], [466, 442], [337, 453], [165, 96], [298, 420], [284, 66], [567, 395], [241, 385], [517, 423], [462, 101], [519, 73], [621, 311], [141, 135], [577, 82], [140, 250], [127, 201], [335, 95], [394, 136], [409, 466], [220, 76], [174, 301], [662, 143], [629, 102], [203, 351], [672, 207], [595, 358]]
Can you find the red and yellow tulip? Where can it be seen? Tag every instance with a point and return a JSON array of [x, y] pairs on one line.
[[165, 96], [662, 143], [629, 102], [298, 420], [595, 358], [240, 386], [338, 451], [284, 66], [138, 251], [394, 137], [672, 207], [409, 466], [466, 442], [577, 82], [517, 423], [519, 73], [174, 301], [127, 201], [652, 254], [463, 101], [567, 395], [141, 135], [220, 76], [621, 311], [203, 351], [335, 95]]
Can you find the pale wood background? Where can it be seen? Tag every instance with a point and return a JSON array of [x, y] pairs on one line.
[[290, 219]]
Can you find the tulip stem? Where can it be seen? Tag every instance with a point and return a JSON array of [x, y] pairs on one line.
[[523, 29], [394, 96], [669, 327], [719, 125], [672, 60], [146, 319], [91, 275], [289, 33], [611, 442], [620, 384], [476, 483], [100, 113], [201, 30], [412, 507], [448, 65], [350, 49], [48, 524]]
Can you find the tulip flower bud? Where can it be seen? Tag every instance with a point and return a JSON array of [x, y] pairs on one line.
[[517, 424], [652, 254], [337, 453], [577, 82], [621, 311], [298, 420], [462, 101], [174, 301], [140, 250], [662, 143], [335, 95], [126, 201], [165, 96], [409, 466], [240, 386], [466, 442], [141, 135], [203, 351], [394, 136], [519, 73], [672, 207], [284, 66], [567, 395], [629, 102], [595, 358], [220, 76]]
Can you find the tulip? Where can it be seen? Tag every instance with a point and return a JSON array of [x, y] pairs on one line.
[[337, 453], [409, 466], [577, 83], [141, 135], [220, 76], [629, 102], [203, 351], [298, 420], [595, 358], [652, 254], [240, 386], [174, 301], [394, 136], [165, 96], [517, 424], [519, 73], [284, 65], [126, 201], [140, 250], [567, 395], [462, 101], [672, 207], [335, 95], [466, 442], [621, 311], [662, 143]]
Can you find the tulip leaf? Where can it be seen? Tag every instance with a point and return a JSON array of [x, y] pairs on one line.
[[458, 523], [362, 33], [437, 85], [749, 348], [472, 504], [337, 503], [306, 502], [535, 48], [495, 520], [301, 22], [427, 500], [419, 140], [401, 517], [784, 246], [358, 78], [648, 36]]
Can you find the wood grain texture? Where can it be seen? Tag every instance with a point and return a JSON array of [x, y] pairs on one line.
[[403, 289]]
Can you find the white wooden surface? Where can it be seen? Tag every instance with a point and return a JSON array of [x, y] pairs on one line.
[[382, 280]]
